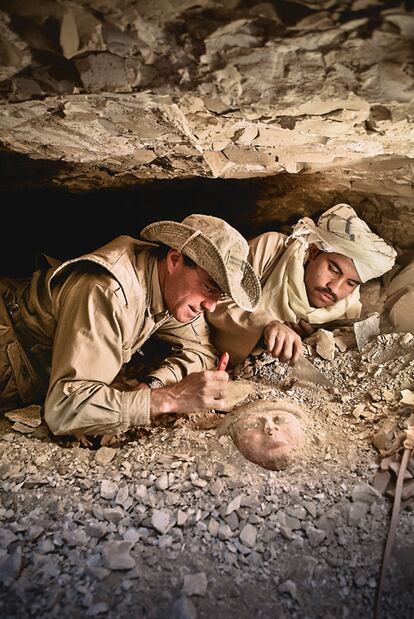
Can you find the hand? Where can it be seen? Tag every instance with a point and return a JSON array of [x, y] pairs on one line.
[[197, 391], [282, 342], [302, 328]]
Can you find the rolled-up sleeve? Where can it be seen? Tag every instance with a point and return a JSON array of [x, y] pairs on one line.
[[87, 355], [191, 350]]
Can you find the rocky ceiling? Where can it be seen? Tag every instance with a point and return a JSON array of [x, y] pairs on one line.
[[297, 104]]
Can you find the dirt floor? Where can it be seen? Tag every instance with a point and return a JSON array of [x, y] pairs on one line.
[[172, 522]]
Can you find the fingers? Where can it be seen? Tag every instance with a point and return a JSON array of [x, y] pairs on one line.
[[282, 342], [270, 335], [197, 391], [215, 385], [283, 346], [213, 389], [297, 351]]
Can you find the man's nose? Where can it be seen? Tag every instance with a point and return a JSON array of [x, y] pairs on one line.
[[209, 304], [334, 285]]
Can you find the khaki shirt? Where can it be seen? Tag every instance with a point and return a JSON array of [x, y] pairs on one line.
[[97, 310], [235, 330]]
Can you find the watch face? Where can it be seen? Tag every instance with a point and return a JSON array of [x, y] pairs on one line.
[[154, 383]]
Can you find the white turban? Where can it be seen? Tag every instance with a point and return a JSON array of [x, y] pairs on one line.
[[341, 231]]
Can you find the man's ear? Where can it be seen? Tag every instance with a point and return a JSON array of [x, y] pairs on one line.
[[313, 251], [173, 259]]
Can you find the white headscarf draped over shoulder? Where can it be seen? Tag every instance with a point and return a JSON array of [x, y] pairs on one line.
[[338, 230]]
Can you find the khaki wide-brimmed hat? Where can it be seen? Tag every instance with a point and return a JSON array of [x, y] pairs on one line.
[[216, 247]]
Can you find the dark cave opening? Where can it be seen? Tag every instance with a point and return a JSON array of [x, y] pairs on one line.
[[65, 224]]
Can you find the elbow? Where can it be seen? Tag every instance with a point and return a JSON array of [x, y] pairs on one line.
[[58, 415], [53, 422]]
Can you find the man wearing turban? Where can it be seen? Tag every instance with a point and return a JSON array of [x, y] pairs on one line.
[[308, 279]]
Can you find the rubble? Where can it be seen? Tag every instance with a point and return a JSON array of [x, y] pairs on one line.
[[176, 514]]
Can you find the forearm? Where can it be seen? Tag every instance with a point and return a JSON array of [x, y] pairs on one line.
[[160, 402], [94, 408]]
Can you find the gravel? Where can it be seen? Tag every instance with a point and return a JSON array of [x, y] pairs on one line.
[[172, 522]]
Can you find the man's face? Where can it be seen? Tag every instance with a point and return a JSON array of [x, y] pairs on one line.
[[268, 438], [329, 277], [188, 291]]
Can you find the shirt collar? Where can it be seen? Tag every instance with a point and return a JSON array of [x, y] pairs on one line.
[[155, 302]]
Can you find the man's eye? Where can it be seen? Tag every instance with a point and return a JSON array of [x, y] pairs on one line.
[[212, 291]]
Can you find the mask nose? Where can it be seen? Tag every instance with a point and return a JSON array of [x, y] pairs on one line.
[[269, 426]]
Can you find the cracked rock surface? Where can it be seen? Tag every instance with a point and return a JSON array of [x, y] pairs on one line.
[[110, 94]]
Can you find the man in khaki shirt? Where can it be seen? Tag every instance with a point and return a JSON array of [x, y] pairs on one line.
[[308, 279], [66, 333]]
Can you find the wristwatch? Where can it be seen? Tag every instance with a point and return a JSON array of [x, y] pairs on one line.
[[153, 383]]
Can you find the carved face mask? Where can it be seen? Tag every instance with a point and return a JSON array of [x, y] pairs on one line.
[[266, 433]]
